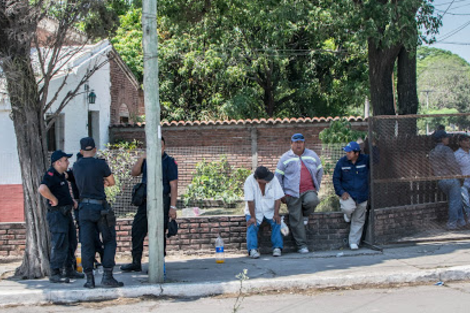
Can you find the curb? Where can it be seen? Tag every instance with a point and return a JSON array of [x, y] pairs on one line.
[[187, 290]]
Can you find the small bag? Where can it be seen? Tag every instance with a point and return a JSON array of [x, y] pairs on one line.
[[172, 229], [139, 194]]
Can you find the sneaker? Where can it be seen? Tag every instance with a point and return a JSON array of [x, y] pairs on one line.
[[254, 254], [305, 220], [354, 246], [347, 218], [303, 250], [276, 252]]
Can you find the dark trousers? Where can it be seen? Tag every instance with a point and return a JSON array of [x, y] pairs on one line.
[[91, 226], [140, 229], [98, 243], [63, 239]]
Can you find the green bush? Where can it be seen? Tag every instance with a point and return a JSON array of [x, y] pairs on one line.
[[340, 132], [216, 180]]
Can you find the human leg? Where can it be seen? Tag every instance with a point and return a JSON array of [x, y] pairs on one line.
[[466, 201], [59, 245], [89, 216], [251, 235], [309, 202], [358, 219], [294, 206], [348, 207], [276, 237], [451, 187]]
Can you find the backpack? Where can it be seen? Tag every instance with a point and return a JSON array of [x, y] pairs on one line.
[[139, 194]]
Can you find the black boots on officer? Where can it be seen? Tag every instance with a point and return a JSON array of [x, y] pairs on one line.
[[56, 277], [132, 267], [70, 272], [108, 281]]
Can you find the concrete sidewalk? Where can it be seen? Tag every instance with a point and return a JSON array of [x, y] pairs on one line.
[[198, 277]]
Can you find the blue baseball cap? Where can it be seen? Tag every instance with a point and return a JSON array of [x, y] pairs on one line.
[[59, 154], [352, 146], [297, 137]]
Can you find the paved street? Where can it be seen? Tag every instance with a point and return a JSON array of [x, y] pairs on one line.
[[453, 297]]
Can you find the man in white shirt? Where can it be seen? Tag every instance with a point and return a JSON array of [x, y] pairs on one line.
[[462, 155], [263, 194]]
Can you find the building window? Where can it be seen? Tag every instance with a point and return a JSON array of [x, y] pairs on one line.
[[123, 114], [94, 126]]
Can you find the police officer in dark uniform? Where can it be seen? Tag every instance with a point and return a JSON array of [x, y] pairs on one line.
[[170, 193], [55, 188], [91, 176]]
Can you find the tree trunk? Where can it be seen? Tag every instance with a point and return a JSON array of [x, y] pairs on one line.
[[30, 133], [381, 62], [407, 92]]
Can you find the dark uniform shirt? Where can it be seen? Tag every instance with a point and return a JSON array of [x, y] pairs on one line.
[[58, 186], [89, 174], [169, 172], [352, 178]]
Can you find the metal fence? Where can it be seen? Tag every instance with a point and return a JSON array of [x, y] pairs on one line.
[[121, 162], [409, 190]]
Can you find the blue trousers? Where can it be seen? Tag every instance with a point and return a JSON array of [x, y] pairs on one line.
[[252, 234], [451, 187], [63, 239], [90, 228]]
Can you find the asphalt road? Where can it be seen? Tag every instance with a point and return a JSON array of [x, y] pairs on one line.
[[453, 297]]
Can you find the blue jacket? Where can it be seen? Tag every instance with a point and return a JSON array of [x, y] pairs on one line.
[[352, 178]]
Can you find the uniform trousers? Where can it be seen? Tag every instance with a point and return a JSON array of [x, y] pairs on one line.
[[63, 238]]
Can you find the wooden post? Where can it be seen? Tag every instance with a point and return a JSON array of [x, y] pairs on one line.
[[153, 139]]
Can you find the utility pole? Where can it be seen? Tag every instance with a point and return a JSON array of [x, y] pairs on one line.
[[153, 138], [427, 107]]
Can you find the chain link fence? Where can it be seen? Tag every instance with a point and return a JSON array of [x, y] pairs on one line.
[[412, 174], [122, 161]]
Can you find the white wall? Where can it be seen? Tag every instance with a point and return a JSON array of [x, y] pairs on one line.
[[9, 164]]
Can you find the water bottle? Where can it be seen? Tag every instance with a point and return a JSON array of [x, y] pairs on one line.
[[284, 228], [78, 258], [219, 250]]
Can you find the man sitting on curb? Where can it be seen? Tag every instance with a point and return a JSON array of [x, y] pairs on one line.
[[263, 195], [351, 182]]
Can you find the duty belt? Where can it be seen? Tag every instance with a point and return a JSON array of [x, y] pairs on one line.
[[92, 201]]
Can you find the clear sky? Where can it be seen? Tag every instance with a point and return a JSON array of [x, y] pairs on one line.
[[454, 34]]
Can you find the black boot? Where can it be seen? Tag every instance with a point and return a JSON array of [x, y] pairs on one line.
[[90, 280], [132, 267], [108, 280], [70, 272], [55, 277]]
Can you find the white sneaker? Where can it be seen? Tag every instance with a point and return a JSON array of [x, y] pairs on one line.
[[254, 254], [354, 246], [305, 220], [347, 218], [303, 250], [276, 252]]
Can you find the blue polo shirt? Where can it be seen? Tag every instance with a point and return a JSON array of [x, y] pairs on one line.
[[352, 178], [169, 172]]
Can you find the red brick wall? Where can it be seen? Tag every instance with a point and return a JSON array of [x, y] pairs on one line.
[[124, 92], [325, 231], [11, 203]]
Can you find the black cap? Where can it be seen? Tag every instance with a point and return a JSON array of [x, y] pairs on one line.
[[463, 137], [263, 173], [87, 144], [59, 154]]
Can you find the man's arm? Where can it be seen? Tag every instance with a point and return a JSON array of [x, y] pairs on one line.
[[277, 207], [251, 208], [46, 193], [137, 168], [174, 194], [109, 181], [337, 177]]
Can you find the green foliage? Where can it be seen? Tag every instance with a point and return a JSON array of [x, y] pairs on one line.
[[340, 132], [121, 158], [216, 180]]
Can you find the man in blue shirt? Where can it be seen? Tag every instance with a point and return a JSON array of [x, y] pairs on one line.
[[351, 182], [140, 223]]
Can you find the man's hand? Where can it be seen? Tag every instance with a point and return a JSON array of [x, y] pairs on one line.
[[172, 213], [252, 220], [75, 204], [283, 199], [277, 218], [54, 201], [345, 196]]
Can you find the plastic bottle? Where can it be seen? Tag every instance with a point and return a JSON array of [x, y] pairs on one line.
[[219, 250], [78, 258], [284, 228]]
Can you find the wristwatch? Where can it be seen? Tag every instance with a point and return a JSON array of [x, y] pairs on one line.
[[173, 207]]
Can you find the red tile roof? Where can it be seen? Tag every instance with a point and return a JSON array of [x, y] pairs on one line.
[[286, 120]]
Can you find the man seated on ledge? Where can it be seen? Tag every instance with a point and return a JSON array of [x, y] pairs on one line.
[[263, 194]]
